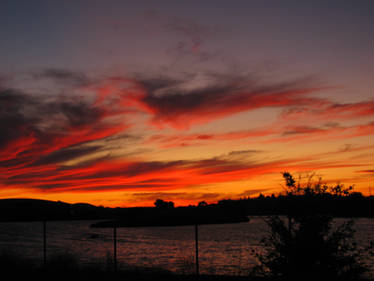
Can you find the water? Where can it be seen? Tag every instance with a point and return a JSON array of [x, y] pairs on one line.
[[223, 249]]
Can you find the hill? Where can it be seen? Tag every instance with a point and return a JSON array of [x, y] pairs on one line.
[[35, 209]]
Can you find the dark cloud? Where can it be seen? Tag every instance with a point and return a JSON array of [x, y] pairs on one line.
[[15, 162], [149, 167], [76, 113], [179, 100], [17, 116], [64, 77], [67, 154], [155, 83], [23, 114], [171, 103]]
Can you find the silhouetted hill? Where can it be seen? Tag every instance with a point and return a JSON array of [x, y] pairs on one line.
[[35, 209]]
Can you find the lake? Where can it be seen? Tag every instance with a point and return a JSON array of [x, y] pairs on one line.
[[223, 249]]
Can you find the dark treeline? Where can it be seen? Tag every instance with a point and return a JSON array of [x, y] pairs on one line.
[[306, 198], [353, 205], [344, 205]]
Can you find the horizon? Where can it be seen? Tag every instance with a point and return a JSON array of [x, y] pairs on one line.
[[116, 103], [196, 204]]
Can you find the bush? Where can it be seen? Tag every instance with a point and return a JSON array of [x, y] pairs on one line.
[[305, 245]]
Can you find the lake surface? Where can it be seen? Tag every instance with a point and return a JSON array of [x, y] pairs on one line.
[[223, 249]]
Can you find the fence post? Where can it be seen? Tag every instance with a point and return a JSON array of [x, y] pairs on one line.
[[197, 248], [115, 248], [44, 243]]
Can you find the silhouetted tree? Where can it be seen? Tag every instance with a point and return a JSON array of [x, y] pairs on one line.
[[161, 204], [304, 244], [294, 187], [202, 204]]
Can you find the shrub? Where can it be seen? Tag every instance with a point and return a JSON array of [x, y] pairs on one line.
[[304, 244], [308, 246]]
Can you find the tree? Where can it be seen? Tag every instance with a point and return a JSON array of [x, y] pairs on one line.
[[202, 204], [294, 187], [304, 244], [161, 204]]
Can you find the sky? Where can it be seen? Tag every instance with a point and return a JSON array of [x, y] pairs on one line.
[[119, 103]]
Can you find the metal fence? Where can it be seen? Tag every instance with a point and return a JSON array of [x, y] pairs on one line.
[[214, 249], [198, 249]]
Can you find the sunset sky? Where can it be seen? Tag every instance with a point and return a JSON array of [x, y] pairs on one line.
[[118, 103]]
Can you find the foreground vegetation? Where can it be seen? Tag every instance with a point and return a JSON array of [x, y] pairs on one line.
[[304, 244], [307, 195]]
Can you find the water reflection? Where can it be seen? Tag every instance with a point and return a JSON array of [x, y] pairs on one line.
[[224, 249]]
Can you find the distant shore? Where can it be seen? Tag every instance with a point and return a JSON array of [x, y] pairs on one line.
[[170, 220], [225, 211]]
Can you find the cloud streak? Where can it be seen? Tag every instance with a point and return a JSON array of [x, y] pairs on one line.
[[331, 111]]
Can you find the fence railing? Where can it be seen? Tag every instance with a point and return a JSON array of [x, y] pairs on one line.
[[115, 259], [197, 249]]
